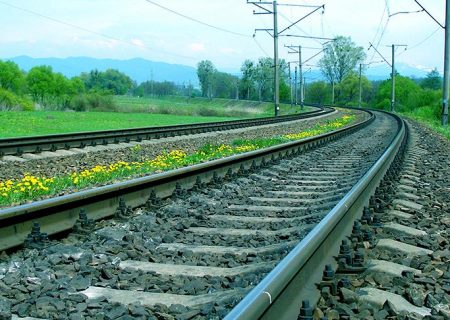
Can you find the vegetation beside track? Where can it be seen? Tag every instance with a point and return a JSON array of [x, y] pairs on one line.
[[33, 123], [198, 106], [29, 188], [430, 117]]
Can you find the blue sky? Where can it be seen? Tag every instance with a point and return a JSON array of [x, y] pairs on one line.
[[136, 28]]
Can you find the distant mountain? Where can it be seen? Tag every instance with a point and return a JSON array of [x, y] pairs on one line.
[[379, 72], [138, 69], [141, 70]]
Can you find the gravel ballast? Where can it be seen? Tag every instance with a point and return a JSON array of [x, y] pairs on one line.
[[408, 259]]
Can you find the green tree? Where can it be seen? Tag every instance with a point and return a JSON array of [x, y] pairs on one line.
[[404, 88], [11, 77], [318, 92], [40, 83], [340, 57], [115, 81], [348, 90], [247, 80], [205, 73], [433, 81], [264, 78], [111, 80]]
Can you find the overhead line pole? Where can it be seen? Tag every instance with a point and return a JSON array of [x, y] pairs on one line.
[[275, 58], [360, 85], [445, 89], [275, 35], [445, 85], [290, 81], [393, 75]]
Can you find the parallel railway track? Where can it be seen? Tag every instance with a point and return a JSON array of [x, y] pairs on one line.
[[37, 144], [193, 242]]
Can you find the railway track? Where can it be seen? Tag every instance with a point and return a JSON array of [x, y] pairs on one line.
[[251, 228], [38, 144]]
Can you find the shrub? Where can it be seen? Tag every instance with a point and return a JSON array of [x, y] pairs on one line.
[[93, 102], [11, 101]]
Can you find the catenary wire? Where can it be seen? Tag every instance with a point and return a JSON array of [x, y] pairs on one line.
[[68, 24]]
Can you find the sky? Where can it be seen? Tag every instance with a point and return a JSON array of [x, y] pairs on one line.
[[223, 32]]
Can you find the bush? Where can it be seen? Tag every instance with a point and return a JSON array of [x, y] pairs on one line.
[[93, 102], [11, 101]]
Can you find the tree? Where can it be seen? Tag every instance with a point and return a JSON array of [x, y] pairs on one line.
[[115, 81], [433, 81], [264, 77], [340, 58], [348, 89], [404, 87], [205, 73], [40, 82], [248, 73], [318, 92], [11, 77], [111, 80]]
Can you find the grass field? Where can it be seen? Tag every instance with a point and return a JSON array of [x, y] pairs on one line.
[[201, 106], [133, 113], [430, 117], [20, 124]]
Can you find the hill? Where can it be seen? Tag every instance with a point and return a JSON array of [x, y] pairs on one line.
[[138, 69]]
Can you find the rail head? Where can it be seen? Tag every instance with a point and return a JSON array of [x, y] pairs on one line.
[[294, 279]]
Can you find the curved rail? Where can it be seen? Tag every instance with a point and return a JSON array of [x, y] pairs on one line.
[[280, 294], [36, 144], [60, 213]]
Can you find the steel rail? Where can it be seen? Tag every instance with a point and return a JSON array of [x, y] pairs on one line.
[[280, 294], [59, 214], [36, 144]]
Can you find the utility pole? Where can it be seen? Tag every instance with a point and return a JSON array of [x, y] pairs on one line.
[[295, 86], [300, 71], [275, 59], [290, 81], [360, 86], [392, 65], [445, 89], [393, 75], [275, 34], [304, 88], [393, 80]]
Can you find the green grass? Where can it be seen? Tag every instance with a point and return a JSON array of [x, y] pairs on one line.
[[201, 106], [31, 187], [19, 124], [430, 117], [133, 113]]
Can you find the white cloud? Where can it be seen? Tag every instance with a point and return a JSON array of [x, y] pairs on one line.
[[137, 42], [230, 51], [197, 47]]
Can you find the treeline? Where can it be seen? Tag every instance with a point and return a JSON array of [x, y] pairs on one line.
[[50, 90], [43, 88], [255, 83]]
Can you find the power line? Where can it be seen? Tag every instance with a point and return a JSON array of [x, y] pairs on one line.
[[68, 24], [197, 21], [429, 14], [260, 47], [421, 42]]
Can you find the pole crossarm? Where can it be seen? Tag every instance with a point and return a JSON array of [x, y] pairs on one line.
[[372, 46], [302, 18], [310, 58], [429, 14], [266, 30], [307, 37]]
